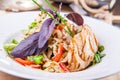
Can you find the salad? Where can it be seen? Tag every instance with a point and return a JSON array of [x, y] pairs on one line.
[[55, 43]]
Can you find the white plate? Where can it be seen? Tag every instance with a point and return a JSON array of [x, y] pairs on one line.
[[109, 36]]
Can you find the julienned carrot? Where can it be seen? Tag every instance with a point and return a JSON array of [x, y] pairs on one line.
[[58, 55], [23, 62]]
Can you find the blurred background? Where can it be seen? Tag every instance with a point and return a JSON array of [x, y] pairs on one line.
[[105, 10]]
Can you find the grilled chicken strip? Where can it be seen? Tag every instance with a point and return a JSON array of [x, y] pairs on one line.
[[84, 45]]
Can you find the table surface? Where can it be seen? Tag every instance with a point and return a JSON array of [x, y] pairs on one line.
[[4, 76]]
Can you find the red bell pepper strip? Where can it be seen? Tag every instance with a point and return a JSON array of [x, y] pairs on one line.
[[23, 62], [58, 55]]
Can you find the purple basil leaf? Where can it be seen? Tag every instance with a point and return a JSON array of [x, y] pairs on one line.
[[46, 31], [35, 43], [33, 49], [38, 51], [25, 45], [76, 18], [26, 53]]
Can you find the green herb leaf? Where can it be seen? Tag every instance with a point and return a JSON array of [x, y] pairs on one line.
[[70, 32], [101, 48], [14, 41], [97, 58], [9, 47], [32, 25], [38, 59]]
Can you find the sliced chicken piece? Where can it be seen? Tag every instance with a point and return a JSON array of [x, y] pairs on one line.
[[84, 45]]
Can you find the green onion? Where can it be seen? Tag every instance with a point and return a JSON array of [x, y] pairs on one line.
[[14, 41], [9, 47], [97, 58], [101, 48], [70, 32], [32, 25], [38, 59]]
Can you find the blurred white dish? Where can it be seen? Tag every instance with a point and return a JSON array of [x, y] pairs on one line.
[[19, 5], [11, 26]]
